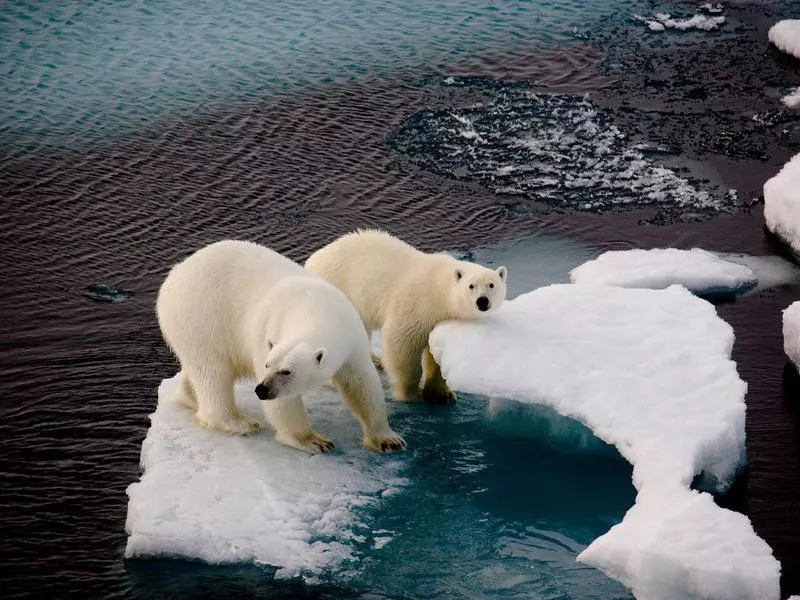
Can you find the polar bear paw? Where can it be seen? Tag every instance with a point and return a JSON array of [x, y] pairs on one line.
[[388, 442], [239, 424], [435, 395], [310, 442]]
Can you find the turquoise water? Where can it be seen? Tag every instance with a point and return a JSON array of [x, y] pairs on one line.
[[75, 72]]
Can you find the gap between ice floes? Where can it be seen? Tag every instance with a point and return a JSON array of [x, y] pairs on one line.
[[649, 371]]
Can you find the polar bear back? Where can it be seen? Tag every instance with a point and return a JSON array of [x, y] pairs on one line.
[[216, 288], [371, 267]]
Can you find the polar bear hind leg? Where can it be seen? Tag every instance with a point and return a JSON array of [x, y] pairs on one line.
[[402, 359], [184, 393], [217, 406], [289, 418], [434, 387]]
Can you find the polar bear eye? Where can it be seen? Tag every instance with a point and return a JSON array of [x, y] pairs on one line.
[[491, 285], [472, 287], [284, 372]]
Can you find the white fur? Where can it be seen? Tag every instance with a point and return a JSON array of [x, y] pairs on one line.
[[405, 293], [239, 310]]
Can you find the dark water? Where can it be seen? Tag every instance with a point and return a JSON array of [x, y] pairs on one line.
[[136, 154]]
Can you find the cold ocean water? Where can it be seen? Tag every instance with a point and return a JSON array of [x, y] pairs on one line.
[[533, 133]]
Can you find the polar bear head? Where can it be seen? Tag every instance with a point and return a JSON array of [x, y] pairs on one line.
[[477, 290], [291, 368]]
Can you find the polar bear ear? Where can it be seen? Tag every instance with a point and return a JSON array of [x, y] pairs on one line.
[[502, 272], [459, 274], [320, 355]]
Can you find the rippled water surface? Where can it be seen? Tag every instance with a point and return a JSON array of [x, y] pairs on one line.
[[131, 133]]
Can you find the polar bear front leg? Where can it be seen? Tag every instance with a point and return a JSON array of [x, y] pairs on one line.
[[362, 392], [402, 358], [289, 418], [216, 406], [434, 387]]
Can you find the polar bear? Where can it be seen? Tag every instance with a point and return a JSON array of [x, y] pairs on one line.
[[405, 293], [235, 309]]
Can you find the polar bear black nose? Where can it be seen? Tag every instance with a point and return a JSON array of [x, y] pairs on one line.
[[483, 303], [264, 392]]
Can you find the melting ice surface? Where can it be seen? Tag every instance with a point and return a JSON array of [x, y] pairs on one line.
[[650, 372], [703, 272]]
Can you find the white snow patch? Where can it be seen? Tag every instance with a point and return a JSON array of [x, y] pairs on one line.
[[792, 99], [791, 333], [664, 21], [782, 203], [786, 36], [696, 269], [226, 499], [650, 372]]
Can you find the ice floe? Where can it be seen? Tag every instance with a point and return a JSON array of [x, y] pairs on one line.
[[791, 333], [649, 371], [249, 499], [782, 203], [664, 21], [698, 270], [786, 36]]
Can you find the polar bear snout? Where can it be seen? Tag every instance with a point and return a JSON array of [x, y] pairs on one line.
[[266, 391], [483, 303]]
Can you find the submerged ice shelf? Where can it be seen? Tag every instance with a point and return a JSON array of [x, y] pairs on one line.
[[650, 372], [702, 272]]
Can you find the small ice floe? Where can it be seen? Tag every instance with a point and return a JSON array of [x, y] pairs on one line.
[[664, 21], [650, 372], [786, 36], [224, 499], [711, 8], [702, 272], [791, 333], [782, 203], [792, 99], [106, 293]]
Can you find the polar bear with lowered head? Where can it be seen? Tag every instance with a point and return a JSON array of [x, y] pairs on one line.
[[235, 309], [405, 293]]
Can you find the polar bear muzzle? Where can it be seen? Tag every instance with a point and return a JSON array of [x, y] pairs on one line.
[[265, 391]]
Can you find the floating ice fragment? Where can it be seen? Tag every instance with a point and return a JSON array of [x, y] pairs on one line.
[[106, 293], [786, 36], [663, 21], [792, 99], [700, 271], [249, 499], [791, 333], [650, 372], [782, 203]]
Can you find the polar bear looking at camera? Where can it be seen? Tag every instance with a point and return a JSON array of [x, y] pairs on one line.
[[405, 293], [235, 310]]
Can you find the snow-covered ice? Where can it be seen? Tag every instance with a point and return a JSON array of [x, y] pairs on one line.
[[698, 270], [664, 21], [791, 333], [782, 203], [249, 499], [649, 371], [786, 36]]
